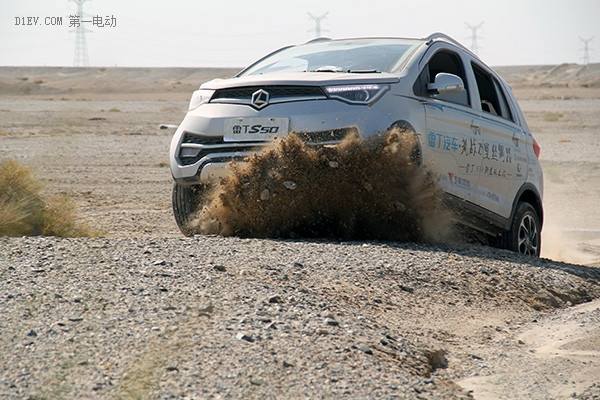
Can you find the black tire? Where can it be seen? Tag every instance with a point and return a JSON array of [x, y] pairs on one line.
[[186, 202], [524, 236]]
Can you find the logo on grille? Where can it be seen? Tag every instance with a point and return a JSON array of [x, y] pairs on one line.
[[260, 99]]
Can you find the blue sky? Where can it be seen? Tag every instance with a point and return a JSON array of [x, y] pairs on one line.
[[233, 33]]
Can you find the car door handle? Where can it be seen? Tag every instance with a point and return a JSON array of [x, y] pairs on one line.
[[516, 138], [476, 127]]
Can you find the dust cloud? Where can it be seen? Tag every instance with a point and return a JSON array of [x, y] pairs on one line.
[[372, 189]]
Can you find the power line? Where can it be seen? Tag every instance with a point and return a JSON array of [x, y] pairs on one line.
[[318, 23], [586, 50], [474, 47], [81, 58]]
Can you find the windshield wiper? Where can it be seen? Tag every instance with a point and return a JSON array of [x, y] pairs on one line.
[[330, 68], [363, 71]]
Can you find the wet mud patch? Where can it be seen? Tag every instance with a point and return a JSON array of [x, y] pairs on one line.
[[360, 189]]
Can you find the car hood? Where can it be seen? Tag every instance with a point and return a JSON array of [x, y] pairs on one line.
[[301, 79]]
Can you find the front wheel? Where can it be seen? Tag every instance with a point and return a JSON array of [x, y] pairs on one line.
[[524, 234], [186, 203]]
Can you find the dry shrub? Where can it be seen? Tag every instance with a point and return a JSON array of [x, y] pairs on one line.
[[359, 189], [25, 212]]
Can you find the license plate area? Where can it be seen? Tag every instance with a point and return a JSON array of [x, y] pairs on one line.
[[255, 129]]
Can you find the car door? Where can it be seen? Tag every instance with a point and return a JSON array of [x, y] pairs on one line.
[[451, 125], [502, 146]]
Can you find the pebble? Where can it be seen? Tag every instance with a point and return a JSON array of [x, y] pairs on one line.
[[244, 336], [264, 195], [289, 185]]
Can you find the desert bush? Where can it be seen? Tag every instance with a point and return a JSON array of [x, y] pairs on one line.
[[24, 211], [552, 116]]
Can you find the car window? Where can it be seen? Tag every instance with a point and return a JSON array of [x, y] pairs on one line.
[[504, 107], [448, 62], [352, 55], [493, 99]]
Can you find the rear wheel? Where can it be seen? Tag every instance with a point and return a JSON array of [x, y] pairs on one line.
[[186, 202], [524, 234]]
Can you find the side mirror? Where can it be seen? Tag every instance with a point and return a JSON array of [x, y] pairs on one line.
[[446, 84]]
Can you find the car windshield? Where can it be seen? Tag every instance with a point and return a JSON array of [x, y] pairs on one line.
[[354, 55]]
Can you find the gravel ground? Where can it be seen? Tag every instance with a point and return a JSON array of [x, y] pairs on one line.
[[212, 317]]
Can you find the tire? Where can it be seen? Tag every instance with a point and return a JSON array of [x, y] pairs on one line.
[[186, 202], [524, 234]]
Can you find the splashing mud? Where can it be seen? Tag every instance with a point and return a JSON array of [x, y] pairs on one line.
[[359, 189]]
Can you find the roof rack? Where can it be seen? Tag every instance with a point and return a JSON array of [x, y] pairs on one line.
[[319, 39], [439, 35]]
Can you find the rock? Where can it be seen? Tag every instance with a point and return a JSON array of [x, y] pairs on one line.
[[289, 185], [244, 336], [437, 358], [32, 333], [288, 364], [220, 268], [406, 288], [275, 299], [399, 206], [206, 309], [332, 322], [365, 349], [334, 164], [264, 195]]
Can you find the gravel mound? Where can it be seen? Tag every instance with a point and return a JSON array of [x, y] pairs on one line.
[[213, 317]]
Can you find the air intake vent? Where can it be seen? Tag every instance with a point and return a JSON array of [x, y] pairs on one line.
[[277, 94]]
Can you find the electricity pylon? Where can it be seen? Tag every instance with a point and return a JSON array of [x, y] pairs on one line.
[[81, 58], [318, 23], [586, 50], [474, 47]]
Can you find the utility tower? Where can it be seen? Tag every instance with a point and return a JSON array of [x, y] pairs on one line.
[[318, 23], [586, 50], [81, 52], [473, 29]]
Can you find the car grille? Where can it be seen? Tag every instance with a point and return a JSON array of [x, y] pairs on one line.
[[205, 145], [277, 94]]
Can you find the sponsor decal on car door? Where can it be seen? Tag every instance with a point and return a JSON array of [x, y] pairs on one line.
[[504, 163], [451, 130]]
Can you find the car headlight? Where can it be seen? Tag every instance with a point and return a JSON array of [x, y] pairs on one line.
[[357, 94], [200, 97]]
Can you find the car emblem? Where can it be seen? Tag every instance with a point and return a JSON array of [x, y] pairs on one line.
[[260, 99]]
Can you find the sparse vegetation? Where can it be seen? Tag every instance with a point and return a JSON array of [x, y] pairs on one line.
[[114, 110], [552, 116], [25, 212]]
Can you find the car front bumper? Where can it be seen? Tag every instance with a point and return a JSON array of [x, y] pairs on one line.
[[198, 152]]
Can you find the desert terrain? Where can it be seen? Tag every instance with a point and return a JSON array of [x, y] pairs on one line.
[[143, 312]]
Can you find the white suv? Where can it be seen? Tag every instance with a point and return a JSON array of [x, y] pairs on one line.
[[471, 131]]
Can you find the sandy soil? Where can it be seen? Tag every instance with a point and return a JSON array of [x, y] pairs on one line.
[[94, 133]]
